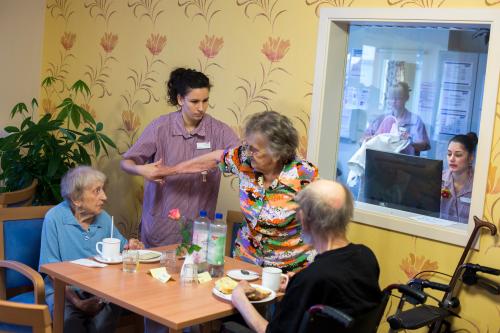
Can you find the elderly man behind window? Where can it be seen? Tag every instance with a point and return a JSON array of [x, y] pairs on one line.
[[343, 275]]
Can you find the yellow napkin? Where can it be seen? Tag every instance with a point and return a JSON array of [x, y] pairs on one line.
[[160, 274], [204, 277]]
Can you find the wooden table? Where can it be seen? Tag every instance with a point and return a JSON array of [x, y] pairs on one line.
[[169, 304]]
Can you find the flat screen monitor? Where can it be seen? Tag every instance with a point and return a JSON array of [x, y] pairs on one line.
[[405, 182]]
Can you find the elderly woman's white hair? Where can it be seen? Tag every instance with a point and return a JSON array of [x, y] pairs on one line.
[[278, 129], [76, 180]]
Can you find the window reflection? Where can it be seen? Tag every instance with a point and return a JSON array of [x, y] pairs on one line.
[[409, 91]]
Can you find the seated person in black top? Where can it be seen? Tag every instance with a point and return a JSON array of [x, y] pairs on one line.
[[343, 275]]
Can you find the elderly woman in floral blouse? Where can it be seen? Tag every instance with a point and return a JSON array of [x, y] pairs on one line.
[[270, 175]]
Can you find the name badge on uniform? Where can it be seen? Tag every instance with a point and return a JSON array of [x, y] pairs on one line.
[[465, 200], [203, 145]]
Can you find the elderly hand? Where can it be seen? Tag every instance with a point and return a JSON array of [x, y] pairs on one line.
[[239, 293], [90, 306], [284, 282], [134, 244], [152, 171]]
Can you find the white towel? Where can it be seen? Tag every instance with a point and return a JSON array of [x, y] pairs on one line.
[[384, 142]]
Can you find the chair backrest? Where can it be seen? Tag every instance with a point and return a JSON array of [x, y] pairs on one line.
[[37, 315], [327, 319], [20, 235], [19, 198], [234, 220]]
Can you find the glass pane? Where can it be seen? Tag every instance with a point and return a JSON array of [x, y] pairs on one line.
[[408, 91]]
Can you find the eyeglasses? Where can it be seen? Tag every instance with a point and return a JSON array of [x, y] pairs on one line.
[[251, 150]]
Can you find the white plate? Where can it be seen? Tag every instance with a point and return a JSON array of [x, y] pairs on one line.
[[155, 259], [228, 297], [116, 260], [236, 274]]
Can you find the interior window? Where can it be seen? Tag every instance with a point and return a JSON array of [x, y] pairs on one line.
[[408, 91], [391, 90]]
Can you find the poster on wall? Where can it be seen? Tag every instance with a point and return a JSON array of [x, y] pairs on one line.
[[457, 72], [454, 105], [455, 97]]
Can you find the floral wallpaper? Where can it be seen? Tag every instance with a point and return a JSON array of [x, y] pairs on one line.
[[259, 55]]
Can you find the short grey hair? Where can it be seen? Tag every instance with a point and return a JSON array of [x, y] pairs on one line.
[[76, 180], [323, 218], [279, 131]]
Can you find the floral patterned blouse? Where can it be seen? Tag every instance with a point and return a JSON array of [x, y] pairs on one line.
[[271, 234]]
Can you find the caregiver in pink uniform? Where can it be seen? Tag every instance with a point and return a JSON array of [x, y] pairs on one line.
[[456, 189]]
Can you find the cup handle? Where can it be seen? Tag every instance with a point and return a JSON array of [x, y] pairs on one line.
[[97, 248]]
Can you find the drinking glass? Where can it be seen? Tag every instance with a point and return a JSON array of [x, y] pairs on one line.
[[189, 274], [168, 259], [130, 261]]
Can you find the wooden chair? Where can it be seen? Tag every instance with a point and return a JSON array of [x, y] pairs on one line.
[[234, 220], [19, 198], [20, 236], [36, 315]]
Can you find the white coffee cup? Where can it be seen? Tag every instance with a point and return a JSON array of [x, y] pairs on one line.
[[110, 248], [272, 277]]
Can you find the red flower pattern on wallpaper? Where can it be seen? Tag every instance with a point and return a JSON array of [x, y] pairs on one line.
[[141, 90], [414, 264], [275, 49], [108, 42], [156, 43], [68, 40], [211, 45], [259, 93]]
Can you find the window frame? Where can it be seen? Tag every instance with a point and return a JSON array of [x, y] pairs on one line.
[[326, 109]]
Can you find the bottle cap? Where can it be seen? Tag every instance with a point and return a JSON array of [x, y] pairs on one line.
[[218, 216], [203, 213]]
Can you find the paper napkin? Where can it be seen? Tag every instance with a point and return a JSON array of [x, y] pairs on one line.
[[88, 263], [160, 274], [204, 277]]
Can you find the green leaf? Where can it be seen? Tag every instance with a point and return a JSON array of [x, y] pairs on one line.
[[80, 86], [18, 108], [75, 116], [99, 127], [87, 116], [48, 81], [106, 139], [11, 129], [34, 103], [97, 147], [53, 166], [64, 113]]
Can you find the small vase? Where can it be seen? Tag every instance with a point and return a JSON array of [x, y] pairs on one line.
[[189, 270]]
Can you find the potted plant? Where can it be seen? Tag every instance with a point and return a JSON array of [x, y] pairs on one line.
[[47, 148]]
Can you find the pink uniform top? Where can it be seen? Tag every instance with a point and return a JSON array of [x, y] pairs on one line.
[[456, 206], [413, 125], [166, 138]]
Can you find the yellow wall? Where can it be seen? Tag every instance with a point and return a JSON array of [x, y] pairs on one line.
[[21, 27], [127, 83]]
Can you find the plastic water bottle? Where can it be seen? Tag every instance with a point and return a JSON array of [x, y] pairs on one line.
[[200, 238], [217, 246]]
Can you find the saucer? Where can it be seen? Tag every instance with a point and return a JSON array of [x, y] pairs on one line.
[[153, 256], [115, 260], [236, 274]]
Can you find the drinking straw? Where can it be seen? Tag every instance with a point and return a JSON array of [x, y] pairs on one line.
[[112, 226]]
